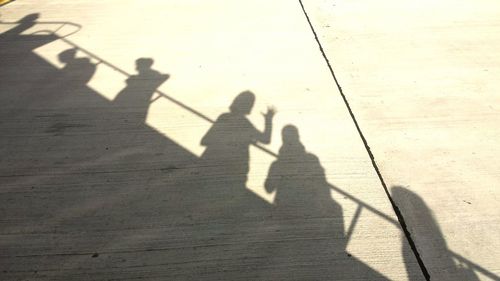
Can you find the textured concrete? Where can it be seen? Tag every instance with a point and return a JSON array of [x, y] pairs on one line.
[[422, 80], [123, 158]]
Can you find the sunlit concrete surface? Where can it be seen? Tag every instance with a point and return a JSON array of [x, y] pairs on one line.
[[126, 152], [422, 79]]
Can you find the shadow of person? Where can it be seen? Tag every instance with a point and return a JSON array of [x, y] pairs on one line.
[[76, 70], [429, 239], [63, 86], [24, 24], [135, 98], [309, 224], [227, 142], [224, 165], [300, 183], [16, 51]]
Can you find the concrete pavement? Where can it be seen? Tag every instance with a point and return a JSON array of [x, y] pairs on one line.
[[421, 79], [133, 147]]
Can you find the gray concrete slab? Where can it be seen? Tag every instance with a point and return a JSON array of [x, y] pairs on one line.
[[421, 77], [129, 149]]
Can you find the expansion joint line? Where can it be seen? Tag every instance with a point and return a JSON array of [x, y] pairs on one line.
[[368, 150]]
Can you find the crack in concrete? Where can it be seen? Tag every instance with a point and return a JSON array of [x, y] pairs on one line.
[[399, 215]]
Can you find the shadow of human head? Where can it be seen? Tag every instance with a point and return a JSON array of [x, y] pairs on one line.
[[428, 237], [67, 56], [290, 135], [416, 210], [31, 18], [77, 71], [143, 65], [243, 103], [292, 146]]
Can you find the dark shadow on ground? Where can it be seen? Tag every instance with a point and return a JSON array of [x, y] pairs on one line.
[[136, 96], [89, 191], [428, 237], [308, 223]]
